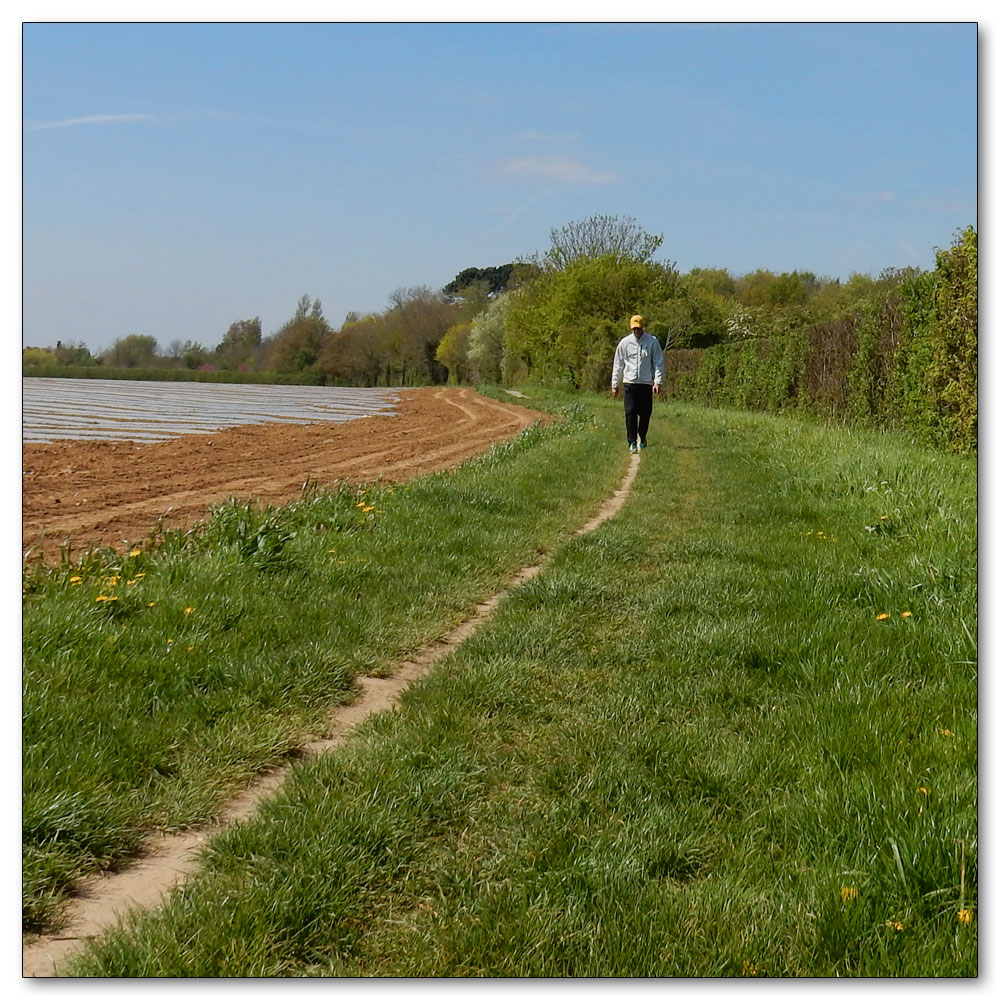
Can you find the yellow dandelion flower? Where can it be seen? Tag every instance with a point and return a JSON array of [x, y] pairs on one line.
[[131, 583], [152, 604], [75, 581], [894, 925], [188, 611], [847, 893], [945, 732], [169, 641], [135, 552], [923, 790], [105, 597], [881, 617], [963, 916], [907, 614]]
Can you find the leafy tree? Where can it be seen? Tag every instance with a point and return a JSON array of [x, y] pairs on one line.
[[496, 279], [73, 353], [697, 315], [791, 288], [472, 299], [195, 355], [453, 351], [134, 351], [416, 321], [68, 353], [716, 280], [487, 338], [565, 324], [41, 356], [309, 307], [240, 344], [296, 347], [752, 288], [355, 354]]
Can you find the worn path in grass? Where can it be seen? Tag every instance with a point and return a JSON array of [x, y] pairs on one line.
[[165, 862]]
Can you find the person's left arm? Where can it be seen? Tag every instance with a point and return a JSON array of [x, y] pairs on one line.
[[657, 365]]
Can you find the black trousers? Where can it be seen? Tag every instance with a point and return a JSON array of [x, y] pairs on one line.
[[638, 407]]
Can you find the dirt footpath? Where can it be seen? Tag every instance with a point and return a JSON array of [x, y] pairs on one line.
[[113, 493]]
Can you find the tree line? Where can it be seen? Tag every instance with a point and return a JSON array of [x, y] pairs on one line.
[[555, 317], [548, 316]]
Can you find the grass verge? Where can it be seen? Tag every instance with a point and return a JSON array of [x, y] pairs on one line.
[[731, 733], [160, 681]]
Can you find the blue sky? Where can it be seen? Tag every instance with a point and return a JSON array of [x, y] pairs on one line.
[[178, 177]]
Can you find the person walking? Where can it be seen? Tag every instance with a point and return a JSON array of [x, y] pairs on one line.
[[638, 367]]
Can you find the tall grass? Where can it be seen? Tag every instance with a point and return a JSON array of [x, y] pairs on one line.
[[158, 681], [731, 733]]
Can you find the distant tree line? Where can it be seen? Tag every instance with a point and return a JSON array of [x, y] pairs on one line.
[[896, 349]]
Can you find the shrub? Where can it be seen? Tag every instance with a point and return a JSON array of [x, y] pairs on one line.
[[905, 354]]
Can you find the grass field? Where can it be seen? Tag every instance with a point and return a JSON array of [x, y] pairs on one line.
[[157, 683], [732, 732]]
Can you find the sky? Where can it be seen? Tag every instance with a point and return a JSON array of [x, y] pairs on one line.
[[177, 177]]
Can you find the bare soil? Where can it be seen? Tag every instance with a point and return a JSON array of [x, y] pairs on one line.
[[104, 493]]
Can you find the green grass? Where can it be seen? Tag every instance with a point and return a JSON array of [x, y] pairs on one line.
[[220, 650], [690, 747]]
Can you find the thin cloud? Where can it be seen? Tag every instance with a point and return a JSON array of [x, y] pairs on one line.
[[91, 120], [532, 136], [556, 168], [946, 206], [875, 198], [520, 208]]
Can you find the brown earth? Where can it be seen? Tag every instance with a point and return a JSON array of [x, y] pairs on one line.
[[112, 493]]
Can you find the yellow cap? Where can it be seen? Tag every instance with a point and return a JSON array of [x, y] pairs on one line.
[[634, 322]]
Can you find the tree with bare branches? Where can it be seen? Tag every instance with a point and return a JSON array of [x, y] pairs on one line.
[[601, 236]]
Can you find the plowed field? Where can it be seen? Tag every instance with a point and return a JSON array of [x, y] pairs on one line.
[[114, 492]]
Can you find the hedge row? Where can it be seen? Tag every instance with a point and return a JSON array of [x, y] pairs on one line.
[[907, 358]]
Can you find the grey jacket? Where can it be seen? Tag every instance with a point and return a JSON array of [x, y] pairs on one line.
[[637, 360]]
